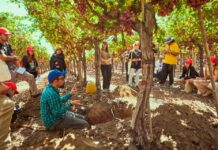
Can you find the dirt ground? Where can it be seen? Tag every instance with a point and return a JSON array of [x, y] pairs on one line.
[[179, 121]]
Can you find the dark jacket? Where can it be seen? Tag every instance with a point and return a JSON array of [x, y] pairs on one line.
[[30, 67], [189, 73], [135, 54], [57, 62]]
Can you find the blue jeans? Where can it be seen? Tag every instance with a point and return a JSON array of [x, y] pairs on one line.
[[70, 120]]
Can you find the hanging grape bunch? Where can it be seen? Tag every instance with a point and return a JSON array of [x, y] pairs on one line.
[[101, 24], [196, 3], [165, 7], [127, 20], [81, 5]]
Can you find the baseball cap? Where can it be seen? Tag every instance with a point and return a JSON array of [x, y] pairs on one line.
[[213, 59], [188, 61], [12, 86], [54, 74], [30, 48], [4, 31], [169, 39]]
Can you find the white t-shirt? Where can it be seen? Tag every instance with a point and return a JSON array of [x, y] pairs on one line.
[[158, 66]]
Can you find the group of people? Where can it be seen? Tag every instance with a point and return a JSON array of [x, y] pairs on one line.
[[54, 109], [190, 78], [10, 65], [164, 67]]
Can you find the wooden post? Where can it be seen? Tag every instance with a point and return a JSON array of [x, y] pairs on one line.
[[204, 38]]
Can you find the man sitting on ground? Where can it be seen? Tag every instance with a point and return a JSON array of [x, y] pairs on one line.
[[54, 108], [188, 74]]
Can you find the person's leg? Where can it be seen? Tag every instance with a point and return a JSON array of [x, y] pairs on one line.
[[188, 87], [137, 77], [109, 75], [6, 112], [104, 75], [131, 74], [127, 76], [31, 81], [72, 120], [201, 86], [164, 74], [171, 74]]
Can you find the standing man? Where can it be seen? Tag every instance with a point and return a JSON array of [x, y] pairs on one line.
[[170, 60], [135, 58], [6, 54], [126, 58]]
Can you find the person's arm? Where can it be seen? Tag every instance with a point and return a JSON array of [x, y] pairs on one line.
[[66, 97], [175, 50], [56, 109], [6, 58]]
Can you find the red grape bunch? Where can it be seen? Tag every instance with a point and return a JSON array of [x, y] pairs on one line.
[[81, 5], [127, 20], [165, 7], [196, 3]]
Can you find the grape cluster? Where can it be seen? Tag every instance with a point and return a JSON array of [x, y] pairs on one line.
[[81, 6], [165, 8], [196, 3], [127, 20]]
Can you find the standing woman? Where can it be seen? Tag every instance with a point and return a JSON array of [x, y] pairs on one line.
[[57, 60], [29, 62], [106, 61]]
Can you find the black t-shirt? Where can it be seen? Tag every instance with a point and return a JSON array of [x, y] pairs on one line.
[[135, 54], [7, 50]]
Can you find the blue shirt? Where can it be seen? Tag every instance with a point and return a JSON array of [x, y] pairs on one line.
[[52, 105]]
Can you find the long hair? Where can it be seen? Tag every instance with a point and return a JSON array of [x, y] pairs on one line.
[[31, 57], [105, 49]]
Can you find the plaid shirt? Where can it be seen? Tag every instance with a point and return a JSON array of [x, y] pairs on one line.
[[52, 105]]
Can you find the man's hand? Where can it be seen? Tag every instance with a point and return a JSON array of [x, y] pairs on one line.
[[73, 90], [166, 51], [75, 102]]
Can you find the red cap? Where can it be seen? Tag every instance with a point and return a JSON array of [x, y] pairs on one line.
[[12, 86], [30, 48], [213, 59], [188, 61], [4, 31]]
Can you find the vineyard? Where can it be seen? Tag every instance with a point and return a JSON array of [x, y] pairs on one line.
[[149, 117]]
